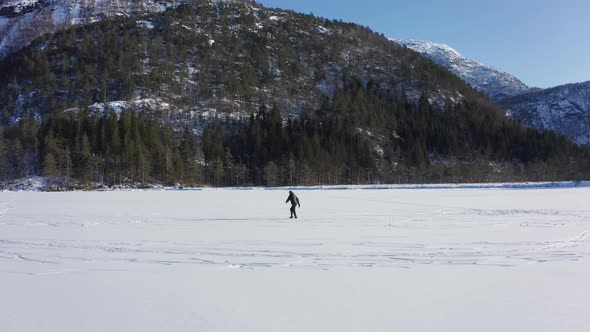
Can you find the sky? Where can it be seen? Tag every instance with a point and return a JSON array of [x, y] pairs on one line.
[[544, 43]]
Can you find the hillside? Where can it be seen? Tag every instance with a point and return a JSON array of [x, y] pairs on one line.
[[200, 58], [23, 21], [232, 93], [564, 109]]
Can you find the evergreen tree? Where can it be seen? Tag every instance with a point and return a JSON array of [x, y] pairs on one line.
[[271, 174], [50, 166], [85, 163]]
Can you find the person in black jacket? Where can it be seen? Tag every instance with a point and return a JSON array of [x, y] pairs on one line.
[[294, 203]]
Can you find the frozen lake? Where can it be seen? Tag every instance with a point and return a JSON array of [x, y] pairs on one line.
[[477, 259]]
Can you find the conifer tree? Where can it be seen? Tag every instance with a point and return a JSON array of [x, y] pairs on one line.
[[50, 166], [85, 165], [271, 174]]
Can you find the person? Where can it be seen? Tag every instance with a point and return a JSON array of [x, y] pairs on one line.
[[294, 203]]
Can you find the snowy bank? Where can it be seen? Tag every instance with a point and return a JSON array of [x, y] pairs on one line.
[[38, 183], [513, 185]]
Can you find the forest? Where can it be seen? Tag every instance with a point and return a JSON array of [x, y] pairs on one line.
[[361, 135]]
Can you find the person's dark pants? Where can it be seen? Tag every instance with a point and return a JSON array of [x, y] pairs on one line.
[[293, 213]]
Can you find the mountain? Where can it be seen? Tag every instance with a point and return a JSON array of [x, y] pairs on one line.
[[491, 81], [564, 109], [22, 21], [209, 63], [233, 93]]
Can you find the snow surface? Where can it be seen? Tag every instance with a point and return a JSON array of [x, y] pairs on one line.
[[492, 259]]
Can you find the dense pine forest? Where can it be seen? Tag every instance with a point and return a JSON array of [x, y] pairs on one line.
[[458, 144], [294, 105]]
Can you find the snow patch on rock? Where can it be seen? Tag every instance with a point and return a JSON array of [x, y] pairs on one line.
[[137, 104], [145, 24]]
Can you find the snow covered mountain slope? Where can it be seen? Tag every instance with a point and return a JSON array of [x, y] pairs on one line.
[[564, 109], [491, 81], [266, 46], [22, 21]]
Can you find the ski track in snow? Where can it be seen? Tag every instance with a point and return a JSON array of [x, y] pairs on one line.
[[365, 229]]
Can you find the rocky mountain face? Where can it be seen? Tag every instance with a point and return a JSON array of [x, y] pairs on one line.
[[22, 21], [209, 58], [489, 80], [564, 109]]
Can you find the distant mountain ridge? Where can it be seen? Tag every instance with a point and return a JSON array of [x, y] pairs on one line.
[[564, 109], [495, 83]]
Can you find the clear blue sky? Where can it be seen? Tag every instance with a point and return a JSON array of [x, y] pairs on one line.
[[543, 42]]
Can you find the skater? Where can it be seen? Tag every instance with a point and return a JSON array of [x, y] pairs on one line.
[[294, 203]]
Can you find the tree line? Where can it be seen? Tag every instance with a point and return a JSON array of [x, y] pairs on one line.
[[79, 149], [363, 134]]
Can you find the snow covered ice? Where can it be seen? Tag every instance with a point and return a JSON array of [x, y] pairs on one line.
[[477, 259]]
